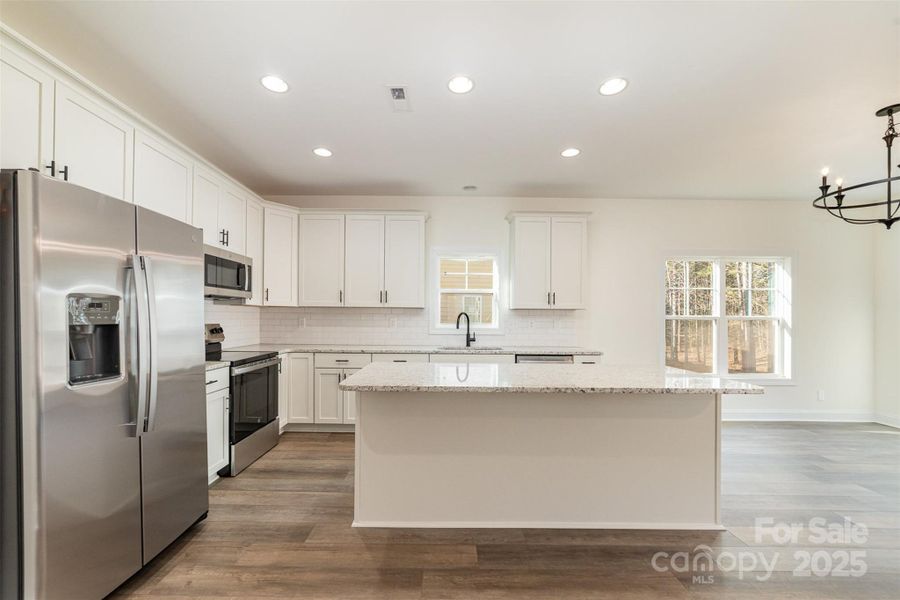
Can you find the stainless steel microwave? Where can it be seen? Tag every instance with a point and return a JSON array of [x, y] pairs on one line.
[[226, 274]]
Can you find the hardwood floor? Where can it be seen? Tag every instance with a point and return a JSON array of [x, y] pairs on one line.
[[282, 530]]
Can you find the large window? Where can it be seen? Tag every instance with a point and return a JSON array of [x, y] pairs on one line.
[[467, 284], [728, 315]]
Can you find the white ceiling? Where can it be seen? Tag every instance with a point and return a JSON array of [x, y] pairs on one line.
[[726, 100]]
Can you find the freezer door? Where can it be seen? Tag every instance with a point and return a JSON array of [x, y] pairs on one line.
[[81, 533], [173, 448]]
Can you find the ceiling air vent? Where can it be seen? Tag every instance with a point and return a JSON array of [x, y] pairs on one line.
[[400, 98]]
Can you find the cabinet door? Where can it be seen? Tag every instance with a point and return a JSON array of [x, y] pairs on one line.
[[216, 431], [301, 408], [232, 216], [255, 250], [568, 261], [205, 214], [279, 257], [284, 391], [530, 263], [329, 399], [26, 114], [96, 145], [349, 399], [364, 272], [163, 178], [404, 261], [321, 260]]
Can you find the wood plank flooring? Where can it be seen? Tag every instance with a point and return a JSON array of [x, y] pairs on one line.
[[282, 530]]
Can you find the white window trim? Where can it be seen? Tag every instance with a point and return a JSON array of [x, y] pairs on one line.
[[434, 289], [786, 373]]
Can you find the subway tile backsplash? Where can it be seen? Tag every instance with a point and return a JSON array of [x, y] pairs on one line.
[[392, 326], [241, 323]]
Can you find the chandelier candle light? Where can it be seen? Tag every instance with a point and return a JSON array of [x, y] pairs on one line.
[[834, 203]]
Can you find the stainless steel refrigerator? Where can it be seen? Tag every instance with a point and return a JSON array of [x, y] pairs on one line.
[[103, 410]]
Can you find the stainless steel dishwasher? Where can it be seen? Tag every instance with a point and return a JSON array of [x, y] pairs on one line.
[[545, 358]]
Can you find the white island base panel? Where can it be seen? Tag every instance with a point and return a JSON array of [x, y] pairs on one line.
[[537, 460]]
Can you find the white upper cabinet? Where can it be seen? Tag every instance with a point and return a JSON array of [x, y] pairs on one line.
[[255, 250], [280, 257], [359, 259], [548, 261], [163, 178], [232, 215], [568, 261], [364, 274], [321, 260], [529, 281], [206, 206], [93, 147], [26, 114], [220, 210], [404, 261]]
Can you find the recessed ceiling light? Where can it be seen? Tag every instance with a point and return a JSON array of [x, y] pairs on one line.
[[570, 152], [323, 152], [273, 83], [613, 86], [469, 188], [460, 84]]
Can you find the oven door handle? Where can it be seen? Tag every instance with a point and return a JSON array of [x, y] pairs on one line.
[[254, 366]]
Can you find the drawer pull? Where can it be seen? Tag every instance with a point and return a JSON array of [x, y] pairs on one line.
[[213, 381], [399, 360], [588, 362], [341, 360]]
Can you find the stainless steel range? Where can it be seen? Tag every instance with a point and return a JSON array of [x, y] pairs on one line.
[[253, 414]]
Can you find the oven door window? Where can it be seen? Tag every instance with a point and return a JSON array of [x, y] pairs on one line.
[[252, 402], [231, 274]]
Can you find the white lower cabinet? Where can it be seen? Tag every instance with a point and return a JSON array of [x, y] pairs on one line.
[[349, 399], [300, 407], [400, 358], [333, 405], [329, 398], [216, 432]]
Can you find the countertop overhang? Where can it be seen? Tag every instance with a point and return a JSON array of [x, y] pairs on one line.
[[535, 378]]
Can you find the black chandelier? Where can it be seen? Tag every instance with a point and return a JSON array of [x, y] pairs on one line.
[[834, 203]]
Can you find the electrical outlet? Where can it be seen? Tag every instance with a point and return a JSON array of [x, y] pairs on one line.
[[820, 395]]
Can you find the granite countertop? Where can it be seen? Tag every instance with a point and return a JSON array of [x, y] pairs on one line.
[[215, 364], [350, 349], [539, 378]]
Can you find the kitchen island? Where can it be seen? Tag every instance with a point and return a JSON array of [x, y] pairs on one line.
[[532, 445]]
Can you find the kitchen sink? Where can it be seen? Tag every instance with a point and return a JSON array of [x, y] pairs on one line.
[[464, 348]]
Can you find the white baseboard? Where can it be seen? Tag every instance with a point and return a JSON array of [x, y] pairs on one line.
[[536, 525], [889, 420], [758, 414]]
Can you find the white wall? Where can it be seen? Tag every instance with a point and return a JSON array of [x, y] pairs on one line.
[[833, 271], [887, 326]]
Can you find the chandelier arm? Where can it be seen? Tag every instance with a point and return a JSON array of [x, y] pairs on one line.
[[844, 190]]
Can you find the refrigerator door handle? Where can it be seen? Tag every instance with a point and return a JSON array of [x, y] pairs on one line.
[[154, 366], [140, 286]]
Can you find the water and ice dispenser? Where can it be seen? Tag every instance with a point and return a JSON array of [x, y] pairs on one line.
[[93, 332]]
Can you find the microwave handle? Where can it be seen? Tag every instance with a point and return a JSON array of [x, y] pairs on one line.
[[248, 284]]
